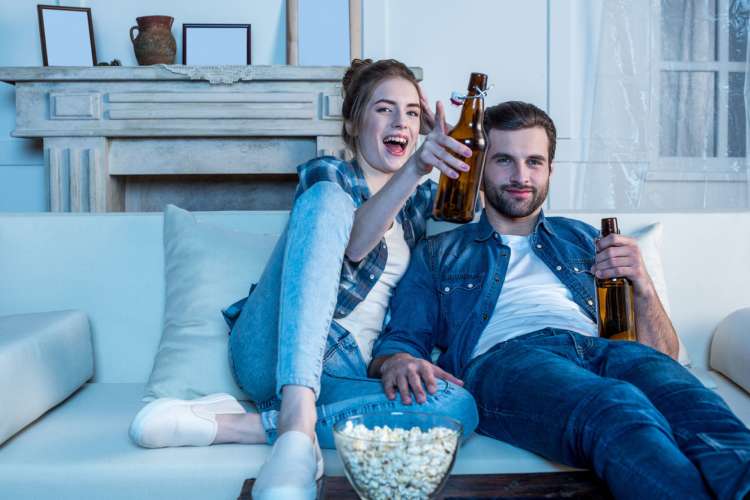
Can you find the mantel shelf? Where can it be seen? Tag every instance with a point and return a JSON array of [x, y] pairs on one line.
[[112, 135]]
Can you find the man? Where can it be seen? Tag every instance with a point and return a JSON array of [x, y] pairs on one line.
[[509, 302]]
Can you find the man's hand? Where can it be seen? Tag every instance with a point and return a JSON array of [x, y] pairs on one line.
[[618, 256], [403, 372]]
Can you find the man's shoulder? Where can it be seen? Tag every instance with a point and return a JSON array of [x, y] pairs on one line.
[[451, 241], [567, 224]]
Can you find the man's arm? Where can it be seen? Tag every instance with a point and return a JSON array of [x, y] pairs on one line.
[[619, 256], [401, 355]]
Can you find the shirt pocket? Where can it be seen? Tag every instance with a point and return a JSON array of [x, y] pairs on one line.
[[458, 296], [581, 267]]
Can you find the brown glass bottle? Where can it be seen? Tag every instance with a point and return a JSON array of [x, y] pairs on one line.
[[615, 300], [456, 198]]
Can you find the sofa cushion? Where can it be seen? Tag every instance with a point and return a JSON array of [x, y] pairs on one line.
[[730, 348], [81, 449], [44, 357], [207, 267]]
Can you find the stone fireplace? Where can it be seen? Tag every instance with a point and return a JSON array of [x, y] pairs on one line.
[[204, 138]]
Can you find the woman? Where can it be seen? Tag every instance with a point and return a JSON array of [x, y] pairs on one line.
[[304, 334]]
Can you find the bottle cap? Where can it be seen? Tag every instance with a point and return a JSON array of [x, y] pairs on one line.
[[610, 226]]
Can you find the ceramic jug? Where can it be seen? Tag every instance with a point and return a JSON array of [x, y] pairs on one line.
[[154, 43]]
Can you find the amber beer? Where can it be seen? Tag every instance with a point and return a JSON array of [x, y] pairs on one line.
[[615, 299], [456, 198]]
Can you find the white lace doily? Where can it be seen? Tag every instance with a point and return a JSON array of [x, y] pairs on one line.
[[225, 75]]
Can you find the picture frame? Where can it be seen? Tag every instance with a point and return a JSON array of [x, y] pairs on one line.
[[67, 36], [209, 44], [315, 36]]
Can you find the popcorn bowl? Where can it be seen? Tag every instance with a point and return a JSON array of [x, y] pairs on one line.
[[397, 455]]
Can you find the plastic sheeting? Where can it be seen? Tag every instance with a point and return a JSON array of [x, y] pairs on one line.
[[667, 121]]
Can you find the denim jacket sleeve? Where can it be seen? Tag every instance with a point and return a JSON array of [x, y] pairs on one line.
[[414, 310]]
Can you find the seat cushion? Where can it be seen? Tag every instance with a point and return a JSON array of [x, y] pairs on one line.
[[44, 358], [81, 449]]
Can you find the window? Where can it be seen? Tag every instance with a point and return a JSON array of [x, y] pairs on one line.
[[701, 116]]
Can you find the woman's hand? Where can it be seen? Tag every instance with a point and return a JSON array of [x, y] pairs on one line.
[[435, 151]]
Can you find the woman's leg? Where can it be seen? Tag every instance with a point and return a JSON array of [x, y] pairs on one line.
[[342, 397], [280, 336]]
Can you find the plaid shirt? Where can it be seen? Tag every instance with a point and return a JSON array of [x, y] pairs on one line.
[[358, 278]]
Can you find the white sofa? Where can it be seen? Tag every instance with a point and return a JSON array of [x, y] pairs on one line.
[[109, 268]]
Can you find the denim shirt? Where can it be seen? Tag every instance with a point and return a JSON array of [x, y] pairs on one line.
[[448, 294]]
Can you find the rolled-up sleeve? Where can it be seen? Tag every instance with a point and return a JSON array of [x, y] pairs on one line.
[[415, 308]]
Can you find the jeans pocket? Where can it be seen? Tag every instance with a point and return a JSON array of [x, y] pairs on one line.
[[342, 357]]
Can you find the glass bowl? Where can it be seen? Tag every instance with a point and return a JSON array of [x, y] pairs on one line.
[[397, 455]]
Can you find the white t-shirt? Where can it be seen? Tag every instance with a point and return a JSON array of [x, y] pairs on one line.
[[365, 321], [532, 298]]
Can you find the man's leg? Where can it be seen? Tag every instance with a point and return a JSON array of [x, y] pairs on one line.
[[706, 430], [536, 393]]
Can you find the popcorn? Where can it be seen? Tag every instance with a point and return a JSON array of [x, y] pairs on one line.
[[396, 464]]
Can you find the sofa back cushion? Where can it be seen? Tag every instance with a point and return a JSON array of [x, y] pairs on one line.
[[111, 266]]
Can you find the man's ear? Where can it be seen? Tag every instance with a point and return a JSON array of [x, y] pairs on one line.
[[349, 127], [551, 168]]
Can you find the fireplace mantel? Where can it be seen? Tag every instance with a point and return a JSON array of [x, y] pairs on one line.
[[110, 132]]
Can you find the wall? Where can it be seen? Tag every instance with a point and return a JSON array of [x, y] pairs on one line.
[[23, 181], [541, 51]]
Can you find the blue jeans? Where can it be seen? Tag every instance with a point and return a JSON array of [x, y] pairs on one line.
[[284, 334], [633, 415]]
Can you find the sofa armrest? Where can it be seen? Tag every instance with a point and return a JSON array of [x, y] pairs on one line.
[[730, 348], [44, 358]]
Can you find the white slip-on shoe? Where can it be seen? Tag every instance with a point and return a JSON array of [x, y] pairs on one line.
[[291, 470], [181, 422]]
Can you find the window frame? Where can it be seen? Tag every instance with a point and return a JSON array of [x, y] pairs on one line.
[[719, 168]]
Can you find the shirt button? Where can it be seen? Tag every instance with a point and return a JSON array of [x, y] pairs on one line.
[[538, 245], [372, 276], [590, 302], [447, 289], [559, 268], [575, 269], [471, 285], [495, 235], [497, 278], [484, 316]]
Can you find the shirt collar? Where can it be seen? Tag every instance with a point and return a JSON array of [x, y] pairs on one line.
[[485, 229]]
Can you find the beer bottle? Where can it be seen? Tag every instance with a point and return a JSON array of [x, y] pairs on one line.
[[456, 198], [615, 299]]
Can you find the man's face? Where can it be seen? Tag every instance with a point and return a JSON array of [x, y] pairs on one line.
[[517, 171]]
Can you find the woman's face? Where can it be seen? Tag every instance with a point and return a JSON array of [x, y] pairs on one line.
[[389, 129]]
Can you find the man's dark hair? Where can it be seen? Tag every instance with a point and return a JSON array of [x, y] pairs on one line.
[[517, 115]]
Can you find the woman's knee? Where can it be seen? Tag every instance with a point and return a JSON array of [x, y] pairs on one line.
[[326, 197], [458, 403]]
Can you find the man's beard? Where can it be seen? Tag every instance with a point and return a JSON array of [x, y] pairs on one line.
[[505, 205]]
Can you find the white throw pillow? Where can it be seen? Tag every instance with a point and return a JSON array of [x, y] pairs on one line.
[[207, 267], [649, 242]]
